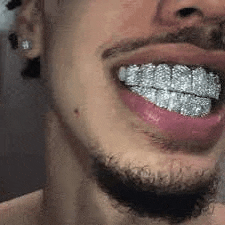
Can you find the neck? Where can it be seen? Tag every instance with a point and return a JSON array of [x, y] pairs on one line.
[[70, 196]]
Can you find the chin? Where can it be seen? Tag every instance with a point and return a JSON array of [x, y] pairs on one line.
[[175, 193]]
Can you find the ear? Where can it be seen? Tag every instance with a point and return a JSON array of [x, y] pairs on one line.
[[29, 26]]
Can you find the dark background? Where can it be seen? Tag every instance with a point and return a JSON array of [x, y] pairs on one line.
[[22, 141]]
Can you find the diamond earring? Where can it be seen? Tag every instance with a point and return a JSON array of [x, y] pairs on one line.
[[26, 45]]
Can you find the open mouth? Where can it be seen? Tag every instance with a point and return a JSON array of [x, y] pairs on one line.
[[190, 90], [185, 102]]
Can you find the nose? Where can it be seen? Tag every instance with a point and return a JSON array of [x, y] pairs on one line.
[[190, 12]]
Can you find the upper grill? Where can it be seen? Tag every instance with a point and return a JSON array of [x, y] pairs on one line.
[[180, 78]]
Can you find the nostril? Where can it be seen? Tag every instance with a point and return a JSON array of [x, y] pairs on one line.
[[186, 12]]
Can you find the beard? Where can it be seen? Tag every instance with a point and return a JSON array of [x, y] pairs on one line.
[[143, 193], [172, 196]]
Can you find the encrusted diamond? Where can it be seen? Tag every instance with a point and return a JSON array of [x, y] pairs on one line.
[[176, 88]]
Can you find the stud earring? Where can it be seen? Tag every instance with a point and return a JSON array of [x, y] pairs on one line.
[[26, 45]]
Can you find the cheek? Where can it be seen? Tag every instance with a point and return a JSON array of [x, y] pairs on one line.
[[77, 113], [108, 21]]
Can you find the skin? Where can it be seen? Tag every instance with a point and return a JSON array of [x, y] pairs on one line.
[[89, 130]]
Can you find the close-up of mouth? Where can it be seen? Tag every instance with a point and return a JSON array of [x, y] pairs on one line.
[[182, 99], [195, 91]]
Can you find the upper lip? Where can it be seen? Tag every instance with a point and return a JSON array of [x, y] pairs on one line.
[[184, 54]]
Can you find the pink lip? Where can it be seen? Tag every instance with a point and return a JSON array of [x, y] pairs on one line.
[[177, 126], [177, 53], [180, 128]]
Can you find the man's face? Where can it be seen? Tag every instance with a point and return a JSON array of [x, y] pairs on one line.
[[166, 136]]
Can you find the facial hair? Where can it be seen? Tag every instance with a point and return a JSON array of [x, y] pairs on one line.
[[156, 196]]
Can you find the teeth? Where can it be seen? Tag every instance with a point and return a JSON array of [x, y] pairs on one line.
[[175, 103], [122, 73], [200, 82], [175, 88], [186, 104], [132, 75], [195, 106], [163, 98], [147, 75], [151, 94], [162, 77], [214, 86], [181, 79]]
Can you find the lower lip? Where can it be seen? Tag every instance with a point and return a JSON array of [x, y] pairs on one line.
[[176, 126]]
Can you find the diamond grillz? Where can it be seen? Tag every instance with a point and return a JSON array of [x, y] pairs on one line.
[[176, 88]]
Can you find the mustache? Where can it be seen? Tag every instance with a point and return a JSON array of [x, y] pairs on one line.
[[210, 37]]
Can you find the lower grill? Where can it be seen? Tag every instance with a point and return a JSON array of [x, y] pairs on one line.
[[188, 104]]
